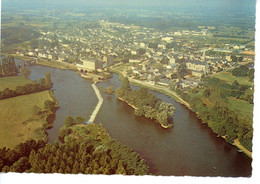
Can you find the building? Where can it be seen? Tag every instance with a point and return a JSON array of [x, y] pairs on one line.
[[108, 60], [197, 68], [90, 65]]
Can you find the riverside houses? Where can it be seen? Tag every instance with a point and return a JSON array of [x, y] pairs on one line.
[[90, 65]]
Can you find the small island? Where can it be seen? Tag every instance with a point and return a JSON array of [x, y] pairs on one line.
[[146, 104]]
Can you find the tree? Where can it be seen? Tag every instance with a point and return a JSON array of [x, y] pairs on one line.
[[240, 59], [165, 60], [48, 83], [79, 119], [69, 121], [125, 84], [153, 45], [141, 51], [233, 58], [49, 105], [251, 74], [12, 67], [110, 90], [25, 71], [182, 70], [34, 44]]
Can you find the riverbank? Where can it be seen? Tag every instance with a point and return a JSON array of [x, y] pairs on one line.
[[160, 89], [24, 117], [176, 98], [242, 148], [51, 63], [97, 108]]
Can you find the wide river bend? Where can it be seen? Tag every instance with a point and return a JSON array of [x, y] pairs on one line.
[[189, 148]]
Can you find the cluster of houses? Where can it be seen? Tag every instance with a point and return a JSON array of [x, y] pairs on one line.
[[100, 46]]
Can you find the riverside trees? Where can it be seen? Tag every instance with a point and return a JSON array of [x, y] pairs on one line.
[[87, 149], [7, 67], [37, 86], [146, 104], [214, 108]]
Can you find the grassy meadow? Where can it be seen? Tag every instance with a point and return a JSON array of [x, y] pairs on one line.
[[22, 118], [227, 76], [13, 81], [242, 107]]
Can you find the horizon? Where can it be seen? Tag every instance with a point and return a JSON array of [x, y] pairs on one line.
[[209, 6]]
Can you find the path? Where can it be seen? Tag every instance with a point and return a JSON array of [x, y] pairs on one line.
[[100, 102], [167, 90], [154, 87]]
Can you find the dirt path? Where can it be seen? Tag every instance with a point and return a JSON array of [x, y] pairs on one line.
[[242, 148]]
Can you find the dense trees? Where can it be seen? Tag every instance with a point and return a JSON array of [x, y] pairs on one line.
[[14, 35], [244, 71], [9, 157], [240, 71], [182, 70], [7, 66], [48, 83], [146, 104], [234, 90], [153, 45], [87, 149], [109, 90], [213, 108]]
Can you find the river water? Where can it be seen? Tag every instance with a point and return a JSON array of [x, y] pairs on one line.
[[189, 148]]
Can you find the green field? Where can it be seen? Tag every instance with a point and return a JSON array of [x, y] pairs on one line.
[[22, 118], [241, 107], [227, 76], [13, 81]]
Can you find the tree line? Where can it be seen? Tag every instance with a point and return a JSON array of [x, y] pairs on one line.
[[146, 104], [88, 149], [213, 108], [40, 85], [244, 71], [7, 67], [235, 89]]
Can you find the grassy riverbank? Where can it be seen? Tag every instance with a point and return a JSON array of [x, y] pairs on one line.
[[23, 117], [57, 64], [51, 63]]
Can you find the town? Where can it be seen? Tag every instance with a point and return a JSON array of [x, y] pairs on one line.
[[144, 54], [128, 87]]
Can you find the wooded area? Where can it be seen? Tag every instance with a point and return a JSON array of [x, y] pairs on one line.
[[88, 149], [146, 104]]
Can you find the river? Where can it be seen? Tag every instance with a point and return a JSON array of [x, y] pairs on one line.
[[189, 148]]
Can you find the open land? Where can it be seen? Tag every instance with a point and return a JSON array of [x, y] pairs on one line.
[[12, 82], [23, 117]]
